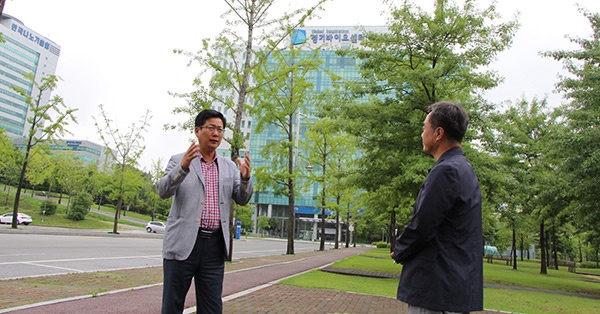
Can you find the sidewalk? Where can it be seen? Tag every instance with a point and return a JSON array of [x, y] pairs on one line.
[[245, 291]]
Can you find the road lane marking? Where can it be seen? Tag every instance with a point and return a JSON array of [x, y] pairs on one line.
[[57, 267]]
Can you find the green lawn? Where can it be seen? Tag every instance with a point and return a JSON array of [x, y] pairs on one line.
[[527, 275]]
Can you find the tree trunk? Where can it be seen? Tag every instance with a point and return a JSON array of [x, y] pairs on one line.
[[554, 250], [548, 255], [337, 224], [543, 269], [117, 215], [348, 227], [391, 233], [291, 183], [238, 141], [18, 194], [21, 180], [580, 255], [322, 243], [514, 248], [323, 199], [323, 194]]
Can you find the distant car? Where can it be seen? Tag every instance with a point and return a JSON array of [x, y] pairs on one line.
[[155, 226], [21, 219]]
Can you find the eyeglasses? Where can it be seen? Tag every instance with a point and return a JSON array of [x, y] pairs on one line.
[[211, 128]]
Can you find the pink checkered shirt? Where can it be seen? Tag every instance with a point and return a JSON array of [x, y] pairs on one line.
[[211, 217]]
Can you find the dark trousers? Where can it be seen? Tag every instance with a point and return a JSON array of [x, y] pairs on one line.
[[206, 264]]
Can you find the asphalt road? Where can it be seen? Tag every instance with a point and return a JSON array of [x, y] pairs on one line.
[[24, 254]]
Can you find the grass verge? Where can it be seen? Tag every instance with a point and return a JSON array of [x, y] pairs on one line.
[[527, 275]]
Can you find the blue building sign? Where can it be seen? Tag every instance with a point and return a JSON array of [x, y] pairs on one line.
[[298, 37]]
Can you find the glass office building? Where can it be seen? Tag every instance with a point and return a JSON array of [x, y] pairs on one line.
[[307, 209], [23, 51]]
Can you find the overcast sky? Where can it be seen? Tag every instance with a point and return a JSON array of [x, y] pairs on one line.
[[118, 53]]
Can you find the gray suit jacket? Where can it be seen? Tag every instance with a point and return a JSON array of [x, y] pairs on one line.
[[187, 189]]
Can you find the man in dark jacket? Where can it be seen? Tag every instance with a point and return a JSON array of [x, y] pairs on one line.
[[441, 247]]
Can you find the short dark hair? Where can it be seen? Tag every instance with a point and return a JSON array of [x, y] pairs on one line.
[[208, 114], [450, 117]]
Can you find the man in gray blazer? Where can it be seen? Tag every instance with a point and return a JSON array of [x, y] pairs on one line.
[[203, 185]]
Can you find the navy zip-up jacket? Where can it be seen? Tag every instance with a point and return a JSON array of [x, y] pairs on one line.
[[441, 247]]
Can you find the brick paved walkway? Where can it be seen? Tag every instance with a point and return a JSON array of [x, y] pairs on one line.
[[289, 299]]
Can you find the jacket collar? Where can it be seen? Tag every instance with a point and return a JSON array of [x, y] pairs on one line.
[[454, 151]]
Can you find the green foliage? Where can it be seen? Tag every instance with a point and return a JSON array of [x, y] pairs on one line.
[[41, 166], [244, 213], [81, 205], [575, 145], [10, 159], [588, 265], [381, 244], [68, 172], [48, 208], [422, 59], [267, 224], [263, 222]]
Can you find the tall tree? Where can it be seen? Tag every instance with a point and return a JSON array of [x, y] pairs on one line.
[[579, 145], [421, 59], [278, 109], [330, 155], [233, 57], [47, 120], [128, 147], [520, 135]]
